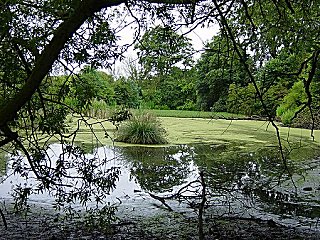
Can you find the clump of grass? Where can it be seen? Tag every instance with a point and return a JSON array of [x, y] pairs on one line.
[[142, 128]]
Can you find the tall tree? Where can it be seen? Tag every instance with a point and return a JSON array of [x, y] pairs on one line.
[[217, 68], [265, 27], [161, 48]]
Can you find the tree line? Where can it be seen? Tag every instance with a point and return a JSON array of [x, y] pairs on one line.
[[165, 76]]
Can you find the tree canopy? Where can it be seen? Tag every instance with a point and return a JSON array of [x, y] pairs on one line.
[[218, 67], [160, 49]]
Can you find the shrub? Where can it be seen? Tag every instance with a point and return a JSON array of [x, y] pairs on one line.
[[127, 93], [148, 105], [292, 103], [242, 100], [304, 119], [188, 106], [142, 129], [220, 105]]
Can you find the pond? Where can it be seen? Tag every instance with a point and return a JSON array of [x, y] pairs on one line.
[[237, 183]]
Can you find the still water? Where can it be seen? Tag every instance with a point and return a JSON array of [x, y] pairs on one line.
[[238, 183]]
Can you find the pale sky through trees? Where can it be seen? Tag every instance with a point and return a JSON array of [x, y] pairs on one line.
[[199, 37]]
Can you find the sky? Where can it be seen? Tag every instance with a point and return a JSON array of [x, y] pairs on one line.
[[198, 36]]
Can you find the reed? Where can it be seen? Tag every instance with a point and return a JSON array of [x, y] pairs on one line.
[[143, 128]]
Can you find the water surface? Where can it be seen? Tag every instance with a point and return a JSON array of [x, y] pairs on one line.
[[238, 183]]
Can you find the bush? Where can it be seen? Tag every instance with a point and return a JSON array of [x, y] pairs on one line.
[[148, 105], [142, 129], [127, 93], [242, 100], [220, 105], [188, 106], [292, 103], [304, 119]]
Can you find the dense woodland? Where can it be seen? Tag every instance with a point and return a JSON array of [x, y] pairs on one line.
[[166, 77]]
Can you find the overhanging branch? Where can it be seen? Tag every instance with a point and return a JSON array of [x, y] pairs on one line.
[[50, 54]]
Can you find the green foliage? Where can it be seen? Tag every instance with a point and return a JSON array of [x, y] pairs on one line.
[[192, 114], [220, 105], [188, 105], [172, 91], [53, 121], [168, 93], [118, 115], [47, 37], [305, 120], [127, 93], [83, 91], [104, 87], [98, 109], [160, 51], [100, 219], [142, 128], [242, 100], [217, 68], [295, 100], [177, 90], [161, 48], [292, 103], [90, 85], [277, 70], [277, 26]]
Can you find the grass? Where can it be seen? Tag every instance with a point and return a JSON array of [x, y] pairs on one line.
[[142, 128], [192, 114], [246, 133]]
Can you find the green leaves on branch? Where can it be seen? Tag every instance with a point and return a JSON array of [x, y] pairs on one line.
[[217, 68], [161, 48]]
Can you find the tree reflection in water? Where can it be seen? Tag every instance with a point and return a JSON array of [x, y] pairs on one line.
[[237, 180], [158, 169]]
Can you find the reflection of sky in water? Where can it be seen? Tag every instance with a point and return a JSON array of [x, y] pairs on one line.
[[175, 167], [127, 186]]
